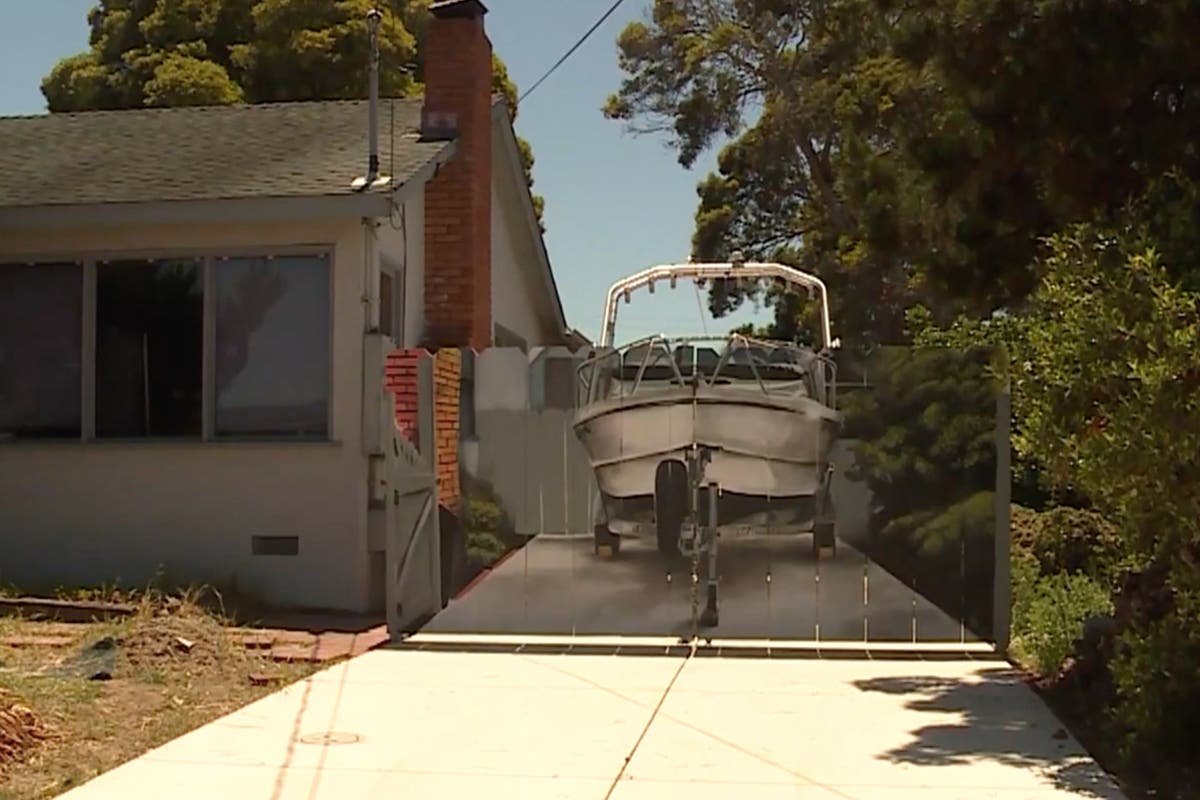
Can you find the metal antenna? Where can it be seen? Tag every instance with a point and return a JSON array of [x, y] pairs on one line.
[[374, 17]]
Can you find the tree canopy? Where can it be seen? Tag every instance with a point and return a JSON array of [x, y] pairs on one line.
[[936, 161], [912, 150], [214, 52]]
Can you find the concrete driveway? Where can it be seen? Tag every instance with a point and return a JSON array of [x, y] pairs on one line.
[[412, 723], [561, 675], [770, 587]]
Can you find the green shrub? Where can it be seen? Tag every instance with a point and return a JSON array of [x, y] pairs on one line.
[[488, 530], [484, 515], [1070, 540], [1158, 686], [485, 548], [1049, 612]]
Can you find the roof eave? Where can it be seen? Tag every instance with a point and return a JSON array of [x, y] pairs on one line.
[[216, 210], [350, 205]]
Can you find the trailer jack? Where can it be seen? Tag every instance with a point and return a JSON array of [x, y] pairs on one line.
[[701, 537]]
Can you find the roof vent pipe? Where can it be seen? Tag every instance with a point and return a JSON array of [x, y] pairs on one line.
[[374, 17]]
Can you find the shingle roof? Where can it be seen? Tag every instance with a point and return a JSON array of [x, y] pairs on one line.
[[204, 153]]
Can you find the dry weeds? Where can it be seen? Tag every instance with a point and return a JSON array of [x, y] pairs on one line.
[[175, 666], [21, 730]]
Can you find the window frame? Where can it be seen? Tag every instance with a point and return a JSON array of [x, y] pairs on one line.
[[92, 301], [85, 367], [208, 257], [209, 410], [397, 270]]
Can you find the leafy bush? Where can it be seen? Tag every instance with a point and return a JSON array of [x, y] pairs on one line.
[[1049, 613], [1158, 683], [487, 527], [485, 515], [485, 548], [1070, 540]]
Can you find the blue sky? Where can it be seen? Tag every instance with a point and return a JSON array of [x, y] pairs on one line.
[[615, 203]]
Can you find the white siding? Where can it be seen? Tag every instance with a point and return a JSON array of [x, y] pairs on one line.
[[402, 241], [520, 301]]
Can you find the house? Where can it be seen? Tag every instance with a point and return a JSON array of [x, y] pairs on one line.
[[187, 304]]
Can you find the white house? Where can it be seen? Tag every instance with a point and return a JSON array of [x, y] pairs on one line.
[[187, 302]]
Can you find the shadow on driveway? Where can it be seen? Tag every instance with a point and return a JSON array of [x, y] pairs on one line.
[[992, 726]]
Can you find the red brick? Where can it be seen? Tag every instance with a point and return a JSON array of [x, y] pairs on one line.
[[457, 204]]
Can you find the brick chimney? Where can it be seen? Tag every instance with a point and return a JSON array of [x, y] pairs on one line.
[[458, 201]]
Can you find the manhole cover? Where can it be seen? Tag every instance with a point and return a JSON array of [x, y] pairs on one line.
[[329, 738]]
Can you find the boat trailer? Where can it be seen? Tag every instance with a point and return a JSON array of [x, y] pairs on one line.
[[700, 536]]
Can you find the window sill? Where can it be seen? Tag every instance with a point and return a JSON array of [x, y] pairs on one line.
[[168, 442]]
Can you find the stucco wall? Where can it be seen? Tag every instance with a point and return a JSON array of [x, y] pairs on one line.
[[76, 513], [402, 241], [518, 302]]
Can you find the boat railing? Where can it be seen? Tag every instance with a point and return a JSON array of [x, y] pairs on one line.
[[773, 367], [603, 371]]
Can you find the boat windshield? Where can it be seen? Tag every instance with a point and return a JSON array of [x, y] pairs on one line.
[[660, 364]]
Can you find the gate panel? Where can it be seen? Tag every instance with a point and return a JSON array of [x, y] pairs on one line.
[[917, 495], [407, 489], [923, 447]]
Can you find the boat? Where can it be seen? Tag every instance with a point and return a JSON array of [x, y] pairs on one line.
[[667, 422]]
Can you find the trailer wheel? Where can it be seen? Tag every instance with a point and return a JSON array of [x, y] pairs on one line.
[[670, 505]]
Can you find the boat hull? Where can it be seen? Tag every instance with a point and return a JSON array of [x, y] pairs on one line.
[[769, 455]]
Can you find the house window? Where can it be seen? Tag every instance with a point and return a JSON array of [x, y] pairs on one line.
[[149, 348], [41, 324], [272, 349], [134, 348]]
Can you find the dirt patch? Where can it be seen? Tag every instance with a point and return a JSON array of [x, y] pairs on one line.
[[168, 635], [21, 730], [84, 698]]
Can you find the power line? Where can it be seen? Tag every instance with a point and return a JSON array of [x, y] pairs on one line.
[[612, 10]]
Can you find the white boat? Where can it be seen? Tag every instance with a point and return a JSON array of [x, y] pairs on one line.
[[761, 415]]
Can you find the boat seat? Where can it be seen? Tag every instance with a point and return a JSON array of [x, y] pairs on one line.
[[744, 364], [779, 364], [748, 355], [702, 359], [658, 365]]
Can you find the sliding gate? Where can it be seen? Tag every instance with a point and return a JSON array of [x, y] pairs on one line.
[[919, 490]]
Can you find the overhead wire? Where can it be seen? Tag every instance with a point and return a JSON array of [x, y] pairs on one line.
[[604, 18], [700, 307]]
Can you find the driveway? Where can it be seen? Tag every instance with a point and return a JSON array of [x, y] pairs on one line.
[[412, 723], [561, 675], [770, 587]]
